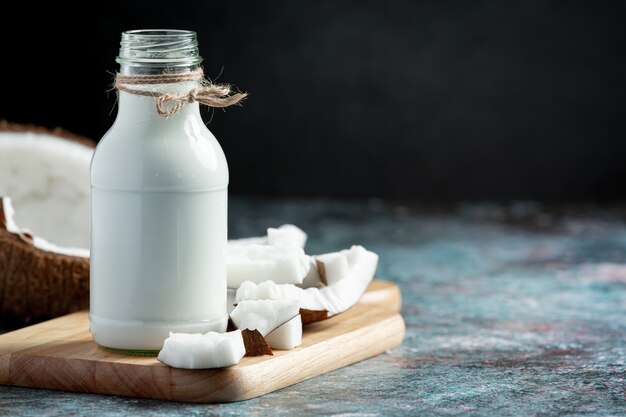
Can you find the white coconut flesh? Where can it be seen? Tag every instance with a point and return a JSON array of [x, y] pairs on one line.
[[279, 257], [47, 180], [264, 315], [202, 351], [288, 336], [287, 234], [312, 279], [345, 291], [333, 267], [260, 263], [37, 241]]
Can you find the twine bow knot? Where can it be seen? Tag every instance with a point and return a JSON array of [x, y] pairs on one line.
[[168, 104]]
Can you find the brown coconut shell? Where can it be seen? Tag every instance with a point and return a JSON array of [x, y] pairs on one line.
[[313, 316], [321, 269], [36, 284], [255, 343], [6, 126]]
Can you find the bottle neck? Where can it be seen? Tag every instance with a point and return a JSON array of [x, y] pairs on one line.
[[136, 108]]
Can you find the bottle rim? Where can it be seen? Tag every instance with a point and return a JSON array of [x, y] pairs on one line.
[[166, 48]]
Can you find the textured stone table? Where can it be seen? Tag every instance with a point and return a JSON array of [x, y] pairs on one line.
[[510, 310]]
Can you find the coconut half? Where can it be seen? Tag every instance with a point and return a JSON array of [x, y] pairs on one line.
[[44, 227]]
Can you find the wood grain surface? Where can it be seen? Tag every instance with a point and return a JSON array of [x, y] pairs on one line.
[[60, 354]]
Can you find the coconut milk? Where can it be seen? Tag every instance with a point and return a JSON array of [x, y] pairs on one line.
[[158, 227]]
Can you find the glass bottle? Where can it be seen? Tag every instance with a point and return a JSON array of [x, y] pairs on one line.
[[158, 209]]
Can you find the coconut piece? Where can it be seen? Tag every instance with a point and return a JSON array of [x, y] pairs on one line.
[[332, 267], [312, 279], [336, 298], [361, 261], [321, 270], [310, 298], [278, 257], [284, 264], [329, 268], [264, 315], [202, 351], [285, 235], [287, 336]]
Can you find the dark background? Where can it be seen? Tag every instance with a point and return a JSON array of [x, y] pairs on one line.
[[431, 101]]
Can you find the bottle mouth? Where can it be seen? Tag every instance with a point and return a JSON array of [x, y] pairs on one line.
[[162, 48]]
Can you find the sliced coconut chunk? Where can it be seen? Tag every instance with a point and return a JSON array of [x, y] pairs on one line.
[[312, 279], [332, 267], [287, 336], [286, 235], [335, 298], [310, 298], [202, 351], [361, 261], [264, 315], [258, 263]]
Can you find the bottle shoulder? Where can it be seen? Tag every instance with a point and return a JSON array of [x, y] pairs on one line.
[[180, 155]]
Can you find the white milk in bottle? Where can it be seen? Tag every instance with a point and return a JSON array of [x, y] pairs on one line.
[[158, 208]]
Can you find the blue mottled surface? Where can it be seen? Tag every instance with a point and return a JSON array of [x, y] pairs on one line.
[[510, 310]]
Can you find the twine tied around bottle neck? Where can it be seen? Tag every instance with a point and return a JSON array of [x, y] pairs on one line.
[[168, 104]]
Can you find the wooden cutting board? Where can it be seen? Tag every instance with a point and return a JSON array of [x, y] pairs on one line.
[[60, 354]]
